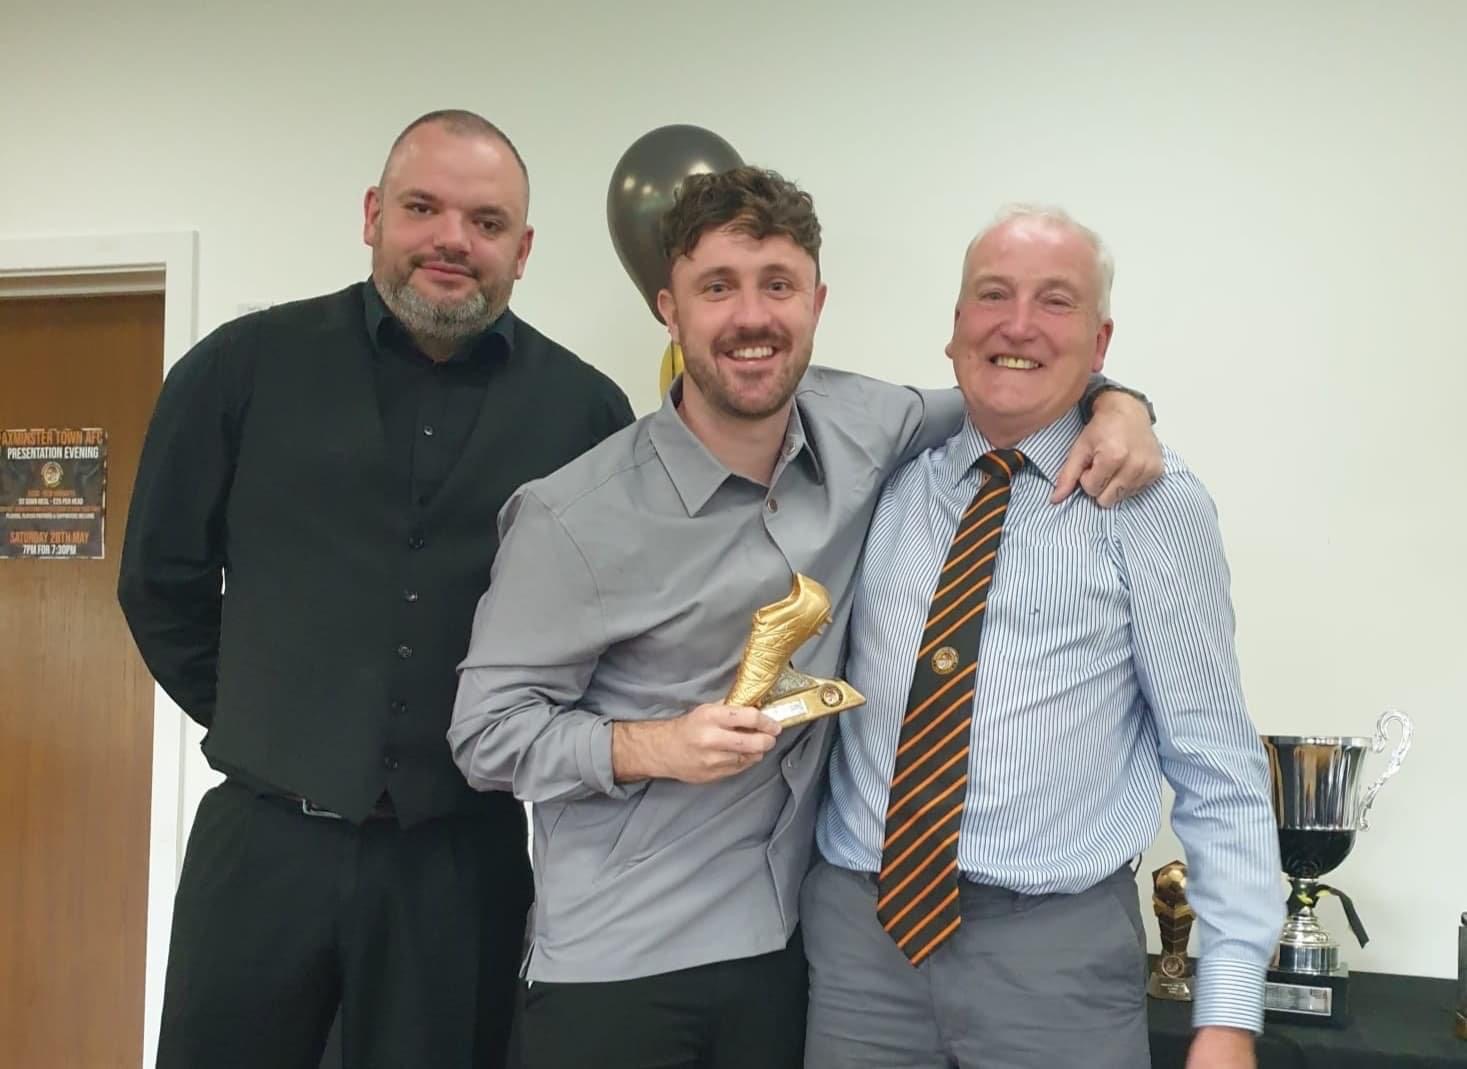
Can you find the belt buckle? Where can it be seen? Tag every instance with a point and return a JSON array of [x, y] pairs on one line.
[[314, 811]]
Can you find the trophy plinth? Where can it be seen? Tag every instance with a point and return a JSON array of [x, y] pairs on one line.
[[765, 677], [1319, 806], [1172, 972], [1308, 997]]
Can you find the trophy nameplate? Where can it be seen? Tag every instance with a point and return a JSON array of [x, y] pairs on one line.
[[1298, 997]]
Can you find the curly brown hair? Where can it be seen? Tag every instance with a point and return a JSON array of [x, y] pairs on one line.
[[749, 200]]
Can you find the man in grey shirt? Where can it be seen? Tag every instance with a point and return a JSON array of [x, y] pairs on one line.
[[672, 831]]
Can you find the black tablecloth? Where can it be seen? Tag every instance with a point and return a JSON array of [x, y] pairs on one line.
[[1397, 1022]]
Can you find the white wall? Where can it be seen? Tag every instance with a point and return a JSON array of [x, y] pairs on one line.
[[1281, 183]]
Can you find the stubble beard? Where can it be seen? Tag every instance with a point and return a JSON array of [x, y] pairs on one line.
[[725, 400]]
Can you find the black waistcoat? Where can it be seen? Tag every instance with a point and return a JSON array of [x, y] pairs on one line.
[[345, 612]]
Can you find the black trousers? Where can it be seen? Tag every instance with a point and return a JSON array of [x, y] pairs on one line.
[[280, 918], [744, 1014]]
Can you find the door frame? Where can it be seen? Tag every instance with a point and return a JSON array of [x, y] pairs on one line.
[[86, 265]]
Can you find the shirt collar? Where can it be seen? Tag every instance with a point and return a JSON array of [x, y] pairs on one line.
[[696, 473], [798, 444], [383, 326], [1044, 450]]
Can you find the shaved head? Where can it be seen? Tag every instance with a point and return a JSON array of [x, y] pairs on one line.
[[461, 123]]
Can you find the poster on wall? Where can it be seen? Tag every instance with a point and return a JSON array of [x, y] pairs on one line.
[[53, 493]]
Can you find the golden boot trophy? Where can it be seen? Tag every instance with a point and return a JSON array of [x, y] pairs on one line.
[[765, 677], [1172, 973]]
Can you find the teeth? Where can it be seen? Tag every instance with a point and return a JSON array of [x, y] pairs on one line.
[[755, 353], [1016, 362]]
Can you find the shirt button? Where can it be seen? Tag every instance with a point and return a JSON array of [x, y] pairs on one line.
[[404, 651], [772, 505], [428, 431], [409, 595], [389, 762], [399, 706], [417, 541]]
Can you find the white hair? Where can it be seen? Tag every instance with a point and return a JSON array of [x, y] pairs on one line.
[[1105, 264]]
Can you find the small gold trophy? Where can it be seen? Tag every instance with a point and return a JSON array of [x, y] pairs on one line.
[[765, 677], [1171, 974]]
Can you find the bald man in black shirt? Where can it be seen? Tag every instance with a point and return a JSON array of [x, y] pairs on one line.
[[313, 524]]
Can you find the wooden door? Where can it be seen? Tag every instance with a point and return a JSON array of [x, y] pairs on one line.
[[76, 707]]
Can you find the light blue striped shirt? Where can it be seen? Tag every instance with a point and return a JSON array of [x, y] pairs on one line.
[[1107, 662]]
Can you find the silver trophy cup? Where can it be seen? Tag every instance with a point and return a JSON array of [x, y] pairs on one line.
[[1320, 807]]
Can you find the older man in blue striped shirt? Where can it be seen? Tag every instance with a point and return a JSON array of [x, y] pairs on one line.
[[1032, 673]]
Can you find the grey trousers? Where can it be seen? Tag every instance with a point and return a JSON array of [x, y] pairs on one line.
[[1026, 982]]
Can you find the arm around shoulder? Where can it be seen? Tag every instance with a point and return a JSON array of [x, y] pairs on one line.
[[1118, 454]]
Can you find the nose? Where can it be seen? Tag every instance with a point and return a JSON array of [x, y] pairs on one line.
[[1019, 326], [750, 310], [451, 233]]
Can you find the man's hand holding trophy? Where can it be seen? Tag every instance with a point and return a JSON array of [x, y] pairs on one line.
[[713, 741]]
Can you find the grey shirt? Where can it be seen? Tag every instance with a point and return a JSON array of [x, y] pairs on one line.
[[623, 590]]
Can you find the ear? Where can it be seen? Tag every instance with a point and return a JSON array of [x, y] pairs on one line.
[[1102, 343], [522, 256], [371, 215], [820, 292], [667, 309], [953, 341]]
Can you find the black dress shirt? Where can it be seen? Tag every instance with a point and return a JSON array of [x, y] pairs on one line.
[[429, 408]]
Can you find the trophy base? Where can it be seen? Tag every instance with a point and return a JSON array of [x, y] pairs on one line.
[[1171, 977], [797, 698], [1169, 989], [1308, 998]]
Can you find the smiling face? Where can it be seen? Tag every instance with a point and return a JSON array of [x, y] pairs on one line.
[[744, 310], [448, 232], [1027, 332]]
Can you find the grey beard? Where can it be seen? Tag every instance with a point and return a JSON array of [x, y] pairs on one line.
[[448, 323]]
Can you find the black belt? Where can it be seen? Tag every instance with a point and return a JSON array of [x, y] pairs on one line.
[[383, 810]]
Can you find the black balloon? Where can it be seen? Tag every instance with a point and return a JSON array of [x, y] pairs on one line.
[[642, 188]]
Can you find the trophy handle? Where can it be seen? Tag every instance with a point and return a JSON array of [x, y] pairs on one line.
[[1394, 765]]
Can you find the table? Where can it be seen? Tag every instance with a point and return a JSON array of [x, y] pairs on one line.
[[1397, 1022]]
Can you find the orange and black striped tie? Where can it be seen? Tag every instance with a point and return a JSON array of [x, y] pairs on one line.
[[917, 889]]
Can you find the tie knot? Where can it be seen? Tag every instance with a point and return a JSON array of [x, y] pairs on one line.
[[1001, 464]]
